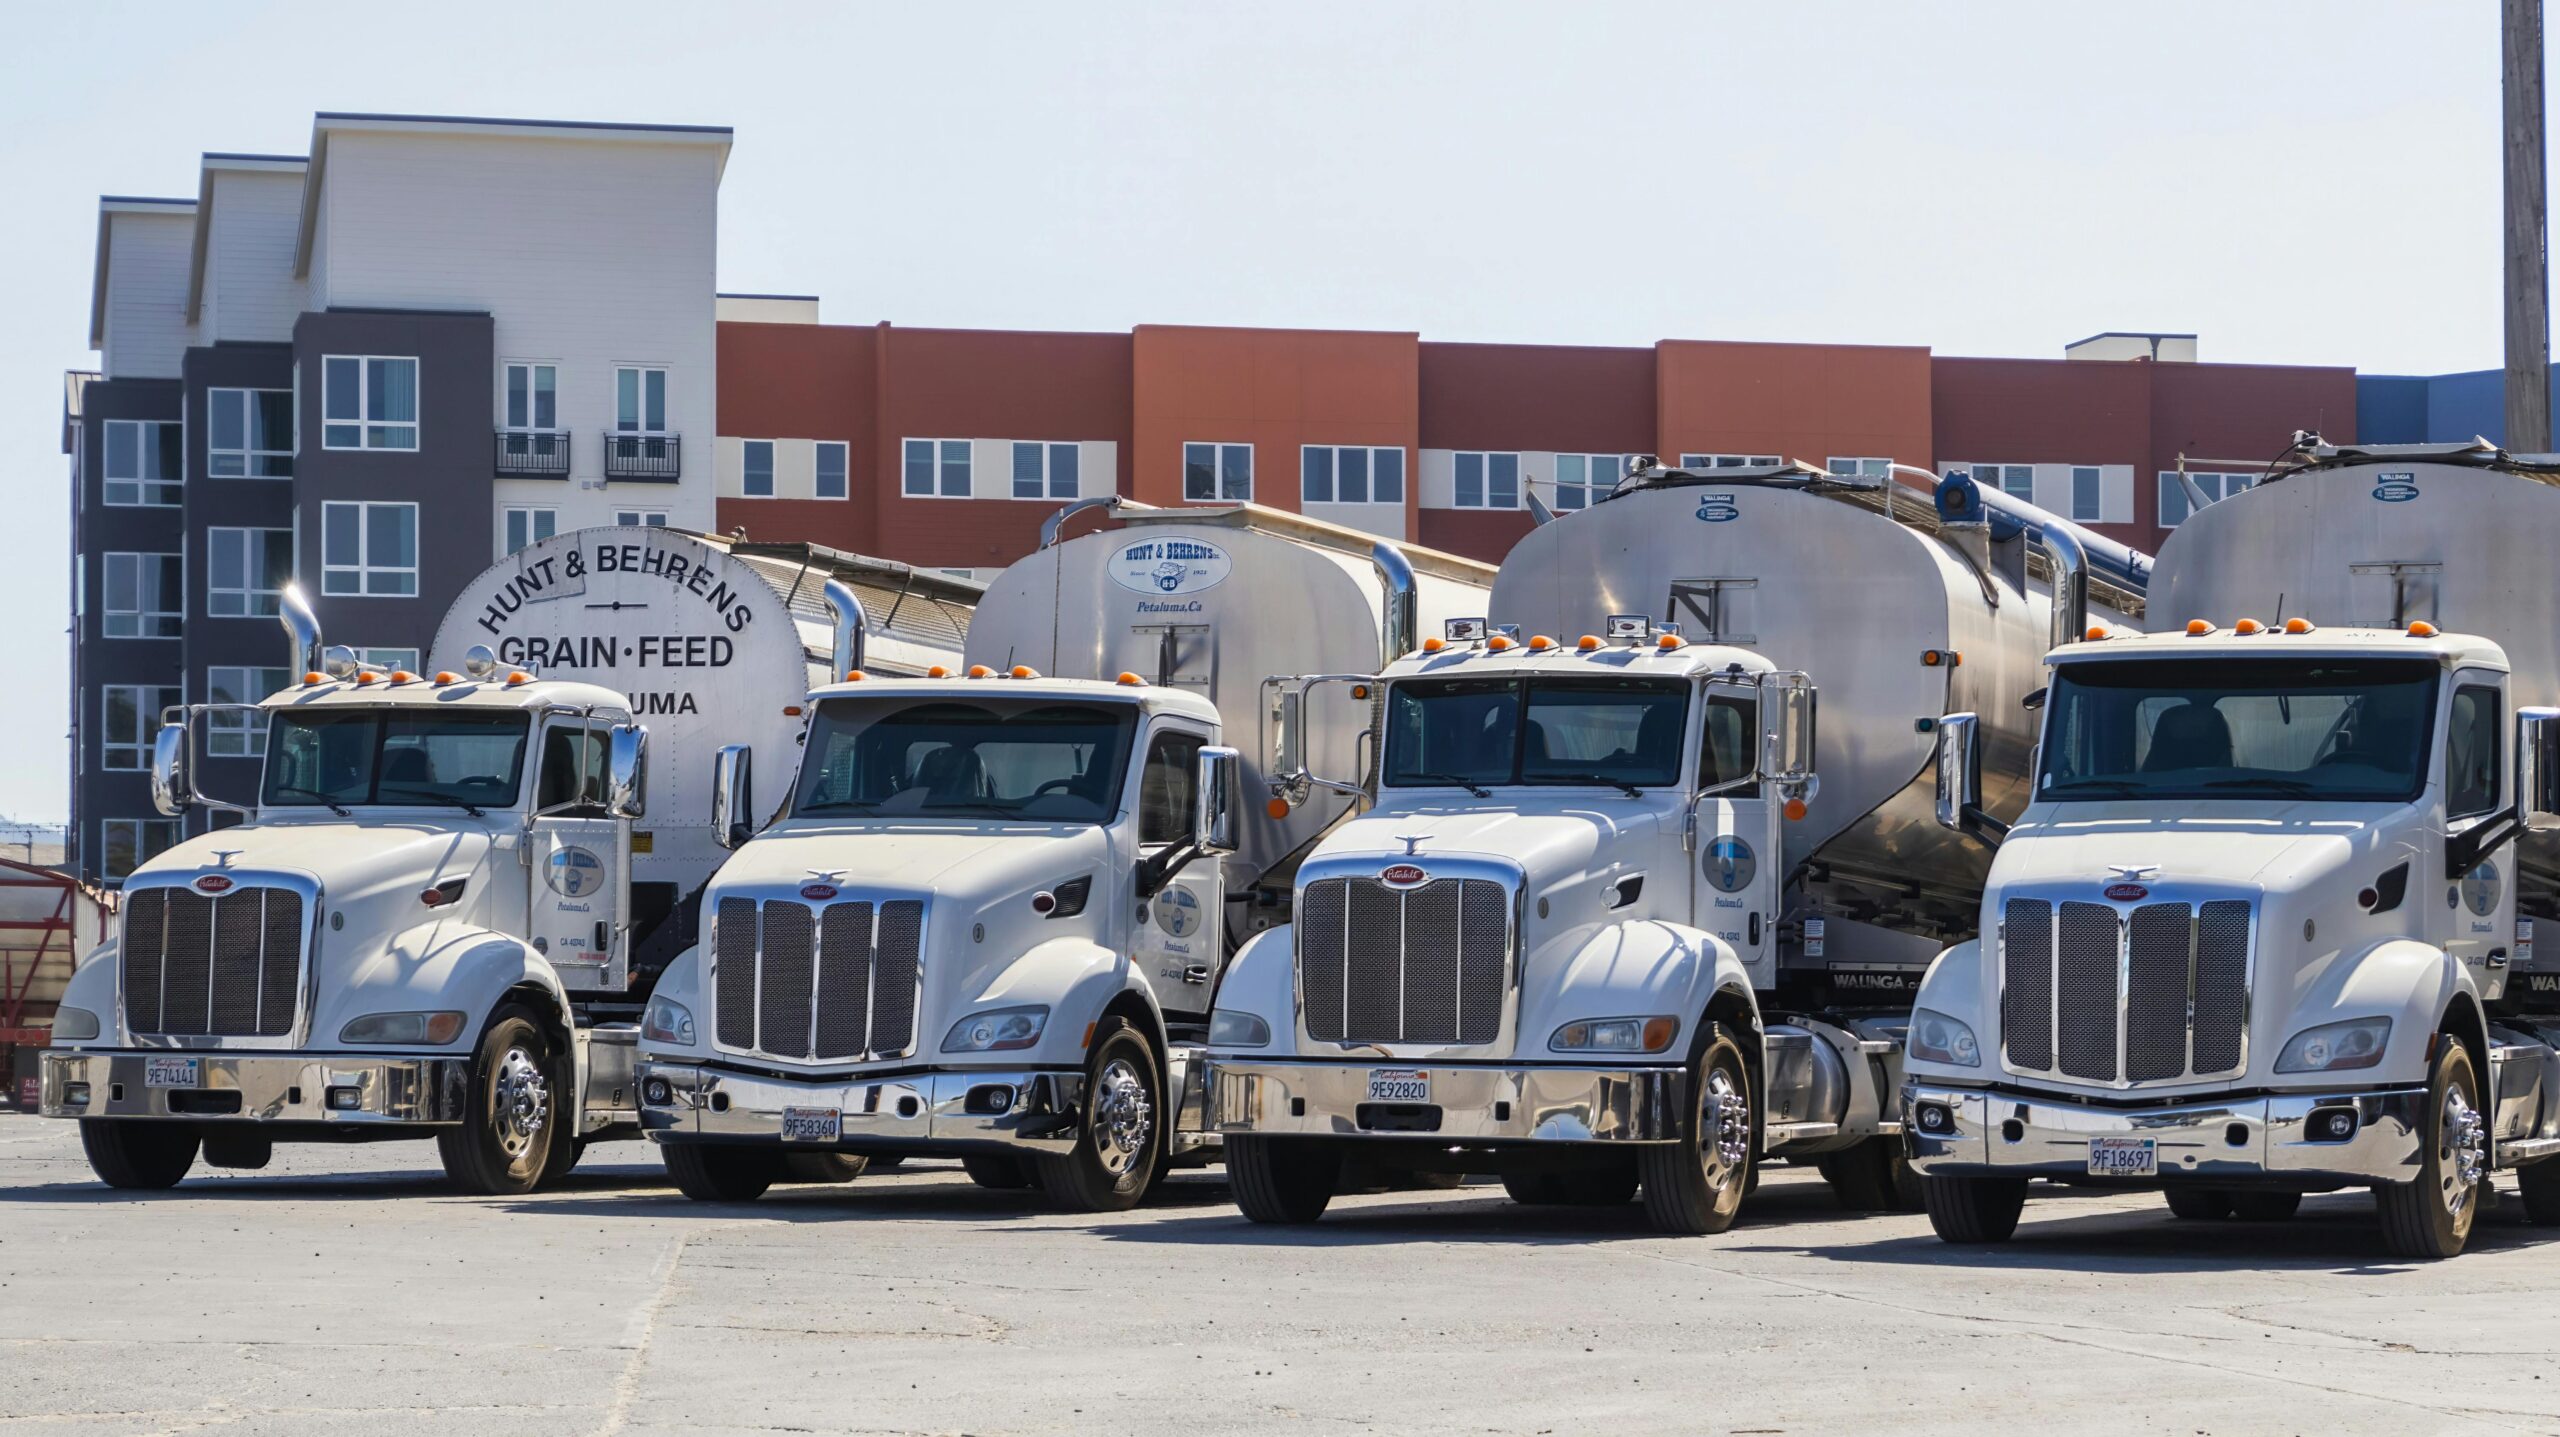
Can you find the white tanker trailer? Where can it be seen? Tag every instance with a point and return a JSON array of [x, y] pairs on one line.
[[1624, 914], [441, 911], [992, 913]]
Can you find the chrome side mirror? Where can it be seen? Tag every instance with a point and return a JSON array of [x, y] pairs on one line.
[[172, 785], [733, 795], [1214, 815], [1791, 748], [1959, 782], [626, 774], [2538, 769], [338, 662]]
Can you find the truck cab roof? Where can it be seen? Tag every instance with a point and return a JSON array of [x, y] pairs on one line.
[[2203, 639], [1586, 657], [982, 682], [502, 691]]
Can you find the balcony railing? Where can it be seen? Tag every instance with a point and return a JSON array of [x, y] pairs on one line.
[[652, 458], [533, 454]]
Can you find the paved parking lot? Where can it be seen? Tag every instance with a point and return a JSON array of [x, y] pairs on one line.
[[342, 1290]]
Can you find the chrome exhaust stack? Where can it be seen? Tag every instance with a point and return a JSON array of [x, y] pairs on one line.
[[1400, 616], [302, 630], [852, 628]]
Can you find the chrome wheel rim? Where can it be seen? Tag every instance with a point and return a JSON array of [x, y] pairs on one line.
[[1724, 1127], [521, 1101], [2462, 1151], [1124, 1117]]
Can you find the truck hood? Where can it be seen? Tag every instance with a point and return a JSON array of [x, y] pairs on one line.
[[351, 861], [2276, 848], [913, 859], [1553, 843]]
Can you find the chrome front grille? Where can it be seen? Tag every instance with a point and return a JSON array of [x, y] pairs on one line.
[[1426, 964], [831, 983], [2119, 996], [227, 966]]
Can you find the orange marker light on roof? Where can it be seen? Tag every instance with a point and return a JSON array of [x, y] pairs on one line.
[[2198, 628], [854, 676], [366, 676], [315, 677], [403, 676], [519, 677], [937, 672], [979, 671], [1541, 643], [1497, 643], [2422, 630], [447, 676], [2297, 626], [1131, 680], [1670, 641], [1025, 671], [1587, 642], [1277, 808], [2096, 633], [2248, 626], [1433, 646]]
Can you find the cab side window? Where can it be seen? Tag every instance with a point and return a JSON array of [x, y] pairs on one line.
[[573, 771], [2472, 751], [1165, 788], [1725, 749]]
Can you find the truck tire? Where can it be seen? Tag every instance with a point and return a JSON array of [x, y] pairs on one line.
[[511, 1123], [1872, 1176], [2430, 1218], [2253, 1205], [1973, 1210], [1695, 1186], [1608, 1187], [997, 1172], [1121, 1141], [2540, 1184], [2199, 1204], [823, 1167], [1282, 1180], [710, 1172], [130, 1153]]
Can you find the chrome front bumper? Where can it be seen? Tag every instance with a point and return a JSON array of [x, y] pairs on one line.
[[1034, 1112], [1985, 1133], [1468, 1104], [262, 1088]]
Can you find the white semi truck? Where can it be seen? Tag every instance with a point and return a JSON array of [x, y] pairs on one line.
[[991, 913], [1622, 918], [2265, 927], [441, 910]]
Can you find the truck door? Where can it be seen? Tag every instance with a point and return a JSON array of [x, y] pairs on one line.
[[1739, 869], [581, 861], [2483, 901], [1181, 927]]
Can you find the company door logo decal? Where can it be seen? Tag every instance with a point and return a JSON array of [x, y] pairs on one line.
[[2480, 889], [1718, 508], [2397, 488], [573, 872], [2125, 892], [1170, 566], [1730, 864], [1177, 912], [1402, 875]]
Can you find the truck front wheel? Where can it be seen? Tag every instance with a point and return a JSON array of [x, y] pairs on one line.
[[1602, 1187], [708, 1172], [1282, 1180], [997, 1172], [511, 1127], [1872, 1176], [1121, 1140], [2431, 1217], [131, 1154], [1695, 1185], [1974, 1210], [2540, 1185]]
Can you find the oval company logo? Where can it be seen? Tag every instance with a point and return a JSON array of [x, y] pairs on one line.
[[1718, 508], [573, 872], [213, 883], [817, 892], [1169, 566], [2126, 892], [2397, 488], [1401, 875]]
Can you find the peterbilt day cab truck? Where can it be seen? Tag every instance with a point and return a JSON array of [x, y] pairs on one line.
[[1623, 917], [993, 910], [443, 906], [2265, 925]]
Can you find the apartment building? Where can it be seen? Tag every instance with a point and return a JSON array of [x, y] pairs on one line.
[[376, 367]]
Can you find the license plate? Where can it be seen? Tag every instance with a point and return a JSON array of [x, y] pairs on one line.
[[812, 1125], [172, 1073], [1399, 1085], [2124, 1158]]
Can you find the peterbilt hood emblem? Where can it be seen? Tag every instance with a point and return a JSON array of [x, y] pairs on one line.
[[1402, 875], [817, 892], [2126, 892], [212, 883]]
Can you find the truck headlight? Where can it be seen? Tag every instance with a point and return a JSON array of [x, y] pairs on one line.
[[2332, 1047], [1615, 1035], [667, 1021], [996, 1030], [1231, 1029], [1937, 1038], [436, 1028], [74, 1024]]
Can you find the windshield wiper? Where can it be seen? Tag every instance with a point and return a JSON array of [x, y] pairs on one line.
[[1448, 778], [2274, 785], [432, 796], [1620, 784], [330, 803], [2109, 785]]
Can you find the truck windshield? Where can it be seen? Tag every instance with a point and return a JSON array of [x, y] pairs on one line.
[[336, 757], [1048, 762], [2324, 729], [1624, 733]]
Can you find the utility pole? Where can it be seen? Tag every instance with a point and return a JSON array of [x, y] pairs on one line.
[[2528, 265]]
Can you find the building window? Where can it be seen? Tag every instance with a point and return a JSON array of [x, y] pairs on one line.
[[1350, 474], [368, 402], [2015, 480], [388, 660], [1217, 473], [530, 524], [146, 462], [2088, 494], [1582, 479], [1044, 471], [2217, 486], [125, 844], [756, 481], [640, 518], [246, 571], [531, 411], [130, 716], [239, 732], [937, 469], [1487, 481], [248, 433], [369, 549], [1695, 462], [1862, 468], [640, 400], [146, 596], [834, 467]]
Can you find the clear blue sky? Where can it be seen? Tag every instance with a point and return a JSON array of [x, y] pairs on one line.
[[2297, 182]]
